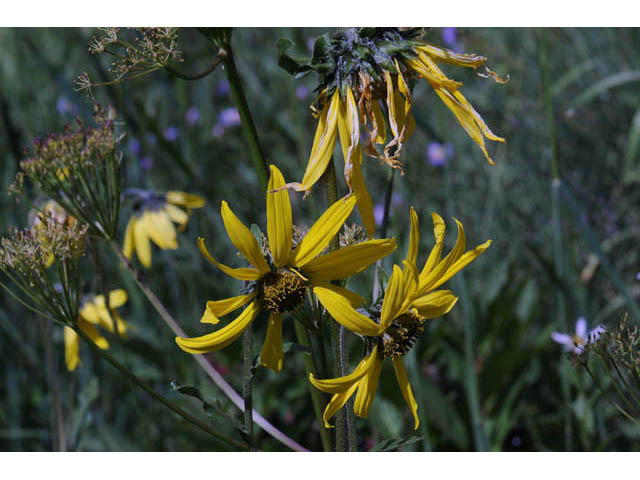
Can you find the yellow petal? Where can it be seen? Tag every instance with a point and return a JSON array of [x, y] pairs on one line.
[[127, 248], [405, 388], [117, 298], [427, 280], [243, 239], [353, 298], [435, 304], [183, 199], [323, 144], [176, 214], [90, 313], [393, 298], [322, 232], [367, 388], [348, 261], [93, 334], [365, 204], [222, 337], [414, 238], [342, 311], [122, 325], [394, 105], [220, 308], [426, 68], [248, 274], [279, 223], [161, 230], [453, 58], [409, 286], [336, 403], [271, 355], [342, 384], [436, 253], [209, 317], [379, 125], [462, 262], [141, 240], [71, 349]]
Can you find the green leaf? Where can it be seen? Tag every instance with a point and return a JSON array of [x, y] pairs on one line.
[[391, 444]]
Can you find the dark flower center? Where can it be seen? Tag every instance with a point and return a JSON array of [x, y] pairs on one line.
[[282, 291], [400, 336]]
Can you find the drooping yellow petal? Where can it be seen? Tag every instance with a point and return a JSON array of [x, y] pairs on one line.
[[271, 355], [141, 239], [342, 384], [177, 215], [220, 308], [367, 388], [414, 238], [243, 239], [222, 337], [348, 261], [379, 125], [451, 57], [127, 248], [462, 262], [353, 298], [324, 143], [122, 325], [405, 388], [478, 119], [160, 229], [435, 304], [322, 232], [435, 78], [336, 403], [279, 222], [365, 204], [394, 105], [90, 312], [183, 199], [117, 298], [238, 273], [427, 280], [209, 317], [342, 311], [71, 349], [393, 298], [409, 286]]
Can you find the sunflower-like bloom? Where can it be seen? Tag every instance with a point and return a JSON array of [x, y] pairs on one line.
[[93, 313], [152, 221], [410, 299], [280, 275]]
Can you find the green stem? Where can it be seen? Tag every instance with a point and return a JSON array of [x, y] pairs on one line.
[[186, 76], [249, 128], [247, 377], [317, 398], [209, 369], [155, 395]]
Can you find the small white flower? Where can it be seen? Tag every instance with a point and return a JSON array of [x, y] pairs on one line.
[[577, 341]]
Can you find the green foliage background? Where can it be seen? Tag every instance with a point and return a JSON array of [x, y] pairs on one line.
[[575, 87]]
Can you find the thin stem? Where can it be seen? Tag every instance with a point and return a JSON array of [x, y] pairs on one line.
[[57, 418], [383, 231], [248, 127], [155, 395], [222, 54], [201, 359], [247, 377], [317, 397], [343, 432]]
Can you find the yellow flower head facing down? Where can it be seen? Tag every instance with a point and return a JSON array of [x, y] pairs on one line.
[[280, 275], [411, 298], [93, 314], [152, 221]]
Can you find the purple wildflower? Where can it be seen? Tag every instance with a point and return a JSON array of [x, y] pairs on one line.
[[450, 37], [578, 340], [192, 116], [438, 153], [223, 89], [229, 117], [146, 162], [302, 92], [134, 145], [171, 133], [378, 213], [64, 106]]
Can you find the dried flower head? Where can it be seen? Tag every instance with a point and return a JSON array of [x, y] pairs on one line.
[[79, 168], [136, 52]]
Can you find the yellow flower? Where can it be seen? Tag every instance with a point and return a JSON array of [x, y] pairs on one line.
[[94, 312], [281, 276], [410, 299], [152, 221], [425, 65]]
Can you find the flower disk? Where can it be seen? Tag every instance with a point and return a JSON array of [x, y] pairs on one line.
[[283, 291]]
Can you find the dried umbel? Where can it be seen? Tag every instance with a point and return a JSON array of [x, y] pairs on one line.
[[42, 264], [135, 52], [80, 169]]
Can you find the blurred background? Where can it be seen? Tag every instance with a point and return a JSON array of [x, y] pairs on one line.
[[487, 376]]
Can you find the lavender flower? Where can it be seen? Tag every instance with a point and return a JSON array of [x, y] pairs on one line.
[[192, 116], [64, 106], [378, 213], [170, 133], [449, 37], [146, 162], [576, 342], [302, 92], [223, 89], [229, 117], [438, 153], [135, 146]]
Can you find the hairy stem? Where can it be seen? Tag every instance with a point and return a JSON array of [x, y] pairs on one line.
[[247, 377]]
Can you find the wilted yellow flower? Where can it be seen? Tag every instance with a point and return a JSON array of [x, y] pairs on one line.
[[281, 275], [93, 313], [53, 210], [152, 221], [410, 299]]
